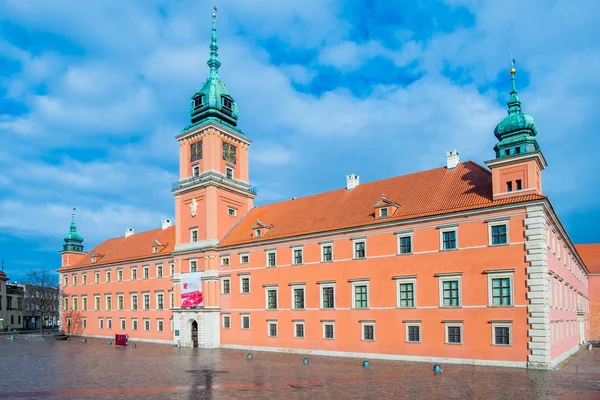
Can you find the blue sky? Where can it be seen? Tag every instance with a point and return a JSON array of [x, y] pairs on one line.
[[92, 94]]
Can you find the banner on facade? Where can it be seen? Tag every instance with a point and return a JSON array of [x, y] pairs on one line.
[[191, 290]]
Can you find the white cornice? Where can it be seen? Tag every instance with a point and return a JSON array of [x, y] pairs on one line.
[[537, 156], [220, 128]]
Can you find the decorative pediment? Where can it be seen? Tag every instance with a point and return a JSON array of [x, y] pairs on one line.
[[260, 229], [385, 208], [157, 246]]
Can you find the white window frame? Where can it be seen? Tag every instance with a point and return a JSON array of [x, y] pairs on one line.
[[109, 323], [499, 275], [242, 255], [195, 262], [404, 280], [401, 236], [74, 279], [362, 330], [323, 324], [361, 283], [160, 293], [446, 230], [147, 320], [354, 243], [84, 303], [323, 245], [321, 287], [230, 213], [122, 298], [242, 322], [160, 323], [97, 304], [159, 267], [271, 287], [108, 297], [242, 284], [381, 214], [445, 278], [192, 230], [195, 168], [407, 337], [84, 278], [144, 301], [84, 322], [97, 277], [293, 289], [269, 322], [223, 279], [296, 323], [502, 325], [454, 324], [132, 270], [145, 269], [258, 232], [227, 169], [223, 316], [301, 248], [223, 263], [498, 222], [107, 276], [267, 260], [122, 323], [100, 323], [134, 324], [136, 301]]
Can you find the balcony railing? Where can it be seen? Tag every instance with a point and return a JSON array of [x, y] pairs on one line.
[[207, 176]]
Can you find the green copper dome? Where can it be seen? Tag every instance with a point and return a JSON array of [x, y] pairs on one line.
[[73, 239], [213, 99], [516, 133]]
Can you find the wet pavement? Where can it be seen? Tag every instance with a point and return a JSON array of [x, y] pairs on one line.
[[94, 370]]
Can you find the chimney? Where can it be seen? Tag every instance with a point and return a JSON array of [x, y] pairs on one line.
[[452, 159], [166, 223], [128, 232], [351, 181]]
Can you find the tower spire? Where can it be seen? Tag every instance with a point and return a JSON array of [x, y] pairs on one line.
[[73, 240], [514, 103], [213, 62]]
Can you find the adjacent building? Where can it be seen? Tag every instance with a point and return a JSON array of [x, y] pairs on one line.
[[462, 263], [11, 305], [591, 256]]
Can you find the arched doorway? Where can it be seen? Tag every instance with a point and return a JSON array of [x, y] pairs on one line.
[[194, 334]]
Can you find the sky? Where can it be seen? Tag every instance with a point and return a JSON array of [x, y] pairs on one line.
[[93, 93]]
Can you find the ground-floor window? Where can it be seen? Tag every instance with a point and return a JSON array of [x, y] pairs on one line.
[[245, 322], [454, 333], [84, 323], [134, 324], [146, 324], [160, 325], [272, 328], [501, 334], [328, 330], [368, 331], [299, 329], [413, 332]]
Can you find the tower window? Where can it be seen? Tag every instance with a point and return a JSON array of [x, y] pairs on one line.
[[229, 173], [196, 170], [517, 150], [518, 184], [232, 212], [196, 151], [509, 186], [227, 103], [198, 102]]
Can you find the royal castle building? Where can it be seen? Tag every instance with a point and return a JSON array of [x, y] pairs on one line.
[[462, 263]]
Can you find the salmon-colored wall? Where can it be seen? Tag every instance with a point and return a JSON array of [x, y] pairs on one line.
[[382, 263], [594, 290], [153, 285], [527, 171]]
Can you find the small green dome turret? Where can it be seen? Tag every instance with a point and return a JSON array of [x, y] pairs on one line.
[[516, 133], [73, 239], [213, 99]]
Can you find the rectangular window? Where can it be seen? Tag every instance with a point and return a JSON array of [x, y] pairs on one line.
[[159, 271], [97, 303], [244, 259], [120, 275], [120, 302], [499, 234], [75, 303], [271, 259], [226, 285], [404, 244], [193, 266], [146, 301], [74, 280], [328, 296], [66, 281], [232, 212], [172, 269], [146, 324], [272, 299], [258, 233], [146, 272], [298, 300], [245, 284], [107, 276], [413, 333], [108, 302], [160, 325], [229, 173], [272, 328], [123, 322], [83, 323], [383, 212], [359, 249], [109, 323], [328, 331], [327, 253], [509, 186], [361, 299], [454, 333], [134, 324], [194, 235], [226, 321], [196, 170], [501, 334], [84, 303], [406, 293], [84, 278], [451, 295], [449, 240], [245, 322], [133, 274], [368, 331], [97, 277], [299, 329], [171, 298], [297, 256], [501, 291], [134, 302], [518, 185], [160, 301], [225, 261], [100, 323]]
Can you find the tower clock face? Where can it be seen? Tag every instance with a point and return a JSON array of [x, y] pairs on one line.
[[229, 152], [196, 151]]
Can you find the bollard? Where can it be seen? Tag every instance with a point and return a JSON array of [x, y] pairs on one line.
[[437, 368], [68, 339], [365, 364], [84, 340], [249, 356], [109, 343], [134, 345], [305, 361]]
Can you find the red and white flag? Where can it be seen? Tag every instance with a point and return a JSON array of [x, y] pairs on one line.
[[191, 290]]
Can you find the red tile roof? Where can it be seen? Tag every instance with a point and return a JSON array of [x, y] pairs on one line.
[[136, 246], [432, 192], [590, 253]]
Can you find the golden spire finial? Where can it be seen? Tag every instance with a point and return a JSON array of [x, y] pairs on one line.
[[214, 14], [513, 70]]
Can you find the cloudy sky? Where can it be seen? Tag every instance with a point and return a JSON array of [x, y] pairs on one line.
[[92, 94]]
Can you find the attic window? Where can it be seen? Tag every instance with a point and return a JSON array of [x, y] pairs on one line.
[[227, 103], [383, 212], [258, 233], [154, 249], [93, 259], [198, 101], [517, 150]]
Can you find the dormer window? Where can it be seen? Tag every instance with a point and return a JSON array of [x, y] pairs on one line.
[[260, 229], [383, 212], [385, 208], [154, 249], [94, 256], [258, 233], [227, 103], [198, 102]]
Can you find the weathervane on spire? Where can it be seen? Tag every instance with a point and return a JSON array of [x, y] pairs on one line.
[[214, 14], [512, 65], [73, 213]]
